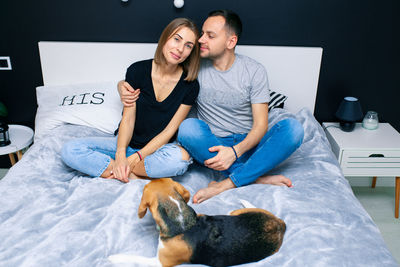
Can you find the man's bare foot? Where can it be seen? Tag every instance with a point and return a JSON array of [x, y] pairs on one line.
[[274, 180], [213, 189]]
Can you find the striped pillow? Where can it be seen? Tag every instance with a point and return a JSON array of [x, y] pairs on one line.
[[276, 100]]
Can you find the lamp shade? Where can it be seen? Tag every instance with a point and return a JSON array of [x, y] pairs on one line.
[[348, 113], [349, 110]]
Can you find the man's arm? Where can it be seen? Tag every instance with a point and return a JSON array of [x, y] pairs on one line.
[[226, 156], [127, 93]]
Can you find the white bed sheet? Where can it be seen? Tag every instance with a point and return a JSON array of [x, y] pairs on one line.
[[51, 215]]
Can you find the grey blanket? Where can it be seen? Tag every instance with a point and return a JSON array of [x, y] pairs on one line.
[[51, 215]]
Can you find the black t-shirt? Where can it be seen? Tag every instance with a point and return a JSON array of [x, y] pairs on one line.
[[152, 116]]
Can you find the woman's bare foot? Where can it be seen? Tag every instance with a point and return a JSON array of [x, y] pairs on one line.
[[133, 176], [274, 180], [108, 173], [213, 189]]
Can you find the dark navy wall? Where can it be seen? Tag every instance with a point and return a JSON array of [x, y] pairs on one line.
[[359, 37]]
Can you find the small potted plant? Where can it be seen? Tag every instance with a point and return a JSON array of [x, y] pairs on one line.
[[4, 136]]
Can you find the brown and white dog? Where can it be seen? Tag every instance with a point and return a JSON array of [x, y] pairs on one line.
[[247, 235]]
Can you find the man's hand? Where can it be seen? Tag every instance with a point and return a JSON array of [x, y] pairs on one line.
[[127, 93], [223, 160]]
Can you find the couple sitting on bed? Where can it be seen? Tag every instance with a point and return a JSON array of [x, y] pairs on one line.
[[230, 134]]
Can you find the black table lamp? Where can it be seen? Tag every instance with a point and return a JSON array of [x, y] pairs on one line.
[[4, 136], [348, 113]]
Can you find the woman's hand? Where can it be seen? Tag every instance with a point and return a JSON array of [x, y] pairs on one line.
[[133, 160], [127, 93], [121, 169]]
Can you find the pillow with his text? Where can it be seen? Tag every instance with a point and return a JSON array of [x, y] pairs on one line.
[[95, 105]]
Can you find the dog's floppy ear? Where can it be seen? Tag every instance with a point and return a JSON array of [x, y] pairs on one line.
[[144, 204], [142, 209], [182, 191]]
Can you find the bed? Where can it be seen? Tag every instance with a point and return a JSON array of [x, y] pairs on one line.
[[51, 215]]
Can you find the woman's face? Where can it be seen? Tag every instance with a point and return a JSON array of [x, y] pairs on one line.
[[179, 46]]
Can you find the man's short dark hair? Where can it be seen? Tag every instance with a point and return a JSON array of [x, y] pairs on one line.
[[232, 20]]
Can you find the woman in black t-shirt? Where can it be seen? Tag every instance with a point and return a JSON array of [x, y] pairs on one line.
[[145, 144]]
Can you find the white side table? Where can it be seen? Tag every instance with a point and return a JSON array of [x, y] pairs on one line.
[[21, 137], [367, 152]]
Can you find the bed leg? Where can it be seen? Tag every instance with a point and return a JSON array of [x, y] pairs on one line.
[[373, 182], [396, 209]]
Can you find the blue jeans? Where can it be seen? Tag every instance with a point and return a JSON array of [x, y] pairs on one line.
[[93, 155], [277, 145]]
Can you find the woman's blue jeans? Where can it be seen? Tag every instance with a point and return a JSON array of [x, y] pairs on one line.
[[277, 145], [92, 155]]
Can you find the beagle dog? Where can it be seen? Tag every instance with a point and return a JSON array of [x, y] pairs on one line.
[[247, 235]]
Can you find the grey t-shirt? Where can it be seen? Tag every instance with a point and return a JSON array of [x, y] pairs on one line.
[[225, 97]]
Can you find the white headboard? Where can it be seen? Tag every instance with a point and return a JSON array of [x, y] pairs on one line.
[[293, 71]]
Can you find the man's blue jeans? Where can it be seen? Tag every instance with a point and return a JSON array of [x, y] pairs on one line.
[[277, 145]]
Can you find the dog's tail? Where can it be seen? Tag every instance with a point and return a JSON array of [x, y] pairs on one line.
[[134, 259], [246, 204]]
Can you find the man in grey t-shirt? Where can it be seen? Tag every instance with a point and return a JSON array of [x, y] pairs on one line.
[[230, 134]]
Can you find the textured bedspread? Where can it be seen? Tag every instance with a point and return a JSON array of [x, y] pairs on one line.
[[53, 216]]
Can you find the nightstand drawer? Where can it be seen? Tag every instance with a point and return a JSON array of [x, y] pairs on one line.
[[371, 162]]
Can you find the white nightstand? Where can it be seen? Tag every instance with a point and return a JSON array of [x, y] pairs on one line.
[[21, 137], [367, 152]]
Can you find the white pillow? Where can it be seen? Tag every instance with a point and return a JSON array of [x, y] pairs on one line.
[[95, 105]]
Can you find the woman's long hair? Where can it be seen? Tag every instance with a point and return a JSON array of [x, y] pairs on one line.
[[191, 65]]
